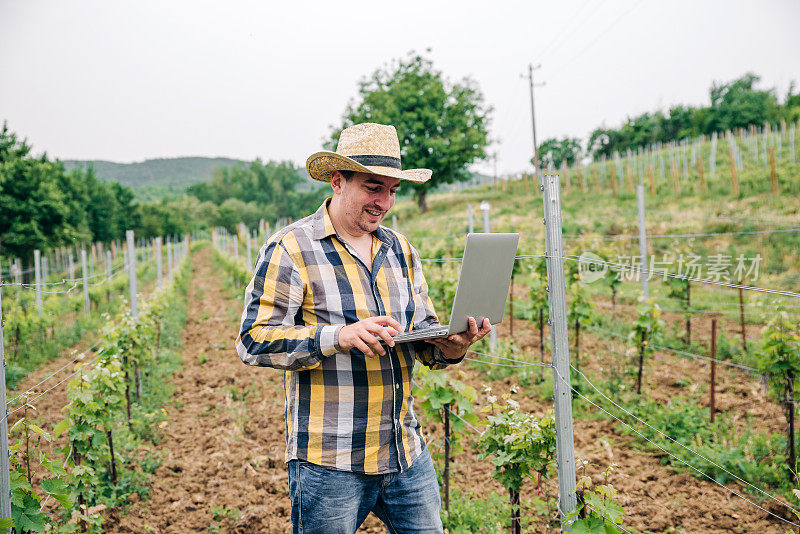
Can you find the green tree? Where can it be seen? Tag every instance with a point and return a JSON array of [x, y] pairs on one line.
[[557, 151], [442, 125], [737, 104]]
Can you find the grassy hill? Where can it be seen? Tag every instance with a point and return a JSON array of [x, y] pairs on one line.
[[603, 219], [154, 178]]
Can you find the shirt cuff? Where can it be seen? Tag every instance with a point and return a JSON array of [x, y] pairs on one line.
[[439, 358], [328, 339]]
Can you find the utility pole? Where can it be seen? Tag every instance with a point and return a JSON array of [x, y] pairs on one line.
[[531, 68]]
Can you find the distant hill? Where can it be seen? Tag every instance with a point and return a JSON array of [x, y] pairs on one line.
[[154, 178]]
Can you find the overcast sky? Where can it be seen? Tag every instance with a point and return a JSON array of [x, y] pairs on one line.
[[126, 81]]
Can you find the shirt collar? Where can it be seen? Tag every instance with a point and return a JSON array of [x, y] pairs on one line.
[[323, 226]]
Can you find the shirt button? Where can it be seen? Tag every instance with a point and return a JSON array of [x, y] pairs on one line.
[[397, 386]]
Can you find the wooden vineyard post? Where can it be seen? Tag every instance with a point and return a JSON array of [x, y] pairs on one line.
[[675, 185], [511, 306], [711, 400], [741, 315], [613, 182], [596, 177], [641, 365], [701, 173], [565, 172], [630, 177], [734, 179], [772, 172], [516, 526], [652, 178], [580, 178]]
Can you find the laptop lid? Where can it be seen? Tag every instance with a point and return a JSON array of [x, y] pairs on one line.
[[484, 279]]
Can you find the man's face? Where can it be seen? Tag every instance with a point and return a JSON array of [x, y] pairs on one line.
[[365, 199]]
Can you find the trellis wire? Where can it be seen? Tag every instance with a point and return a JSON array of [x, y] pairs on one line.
[[641, 270], [683, 446], [72, 361]]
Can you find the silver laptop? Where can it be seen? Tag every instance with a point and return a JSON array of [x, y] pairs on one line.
[[482, 286]]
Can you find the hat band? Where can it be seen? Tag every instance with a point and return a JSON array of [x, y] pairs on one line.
[[377, 161]]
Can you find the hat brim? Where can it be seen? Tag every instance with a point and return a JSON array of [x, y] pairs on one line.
[[322, 164]]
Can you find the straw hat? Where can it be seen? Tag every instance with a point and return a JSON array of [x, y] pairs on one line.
[[367, 147]]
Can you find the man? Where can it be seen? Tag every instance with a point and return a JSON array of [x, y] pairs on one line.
[[328, 295]]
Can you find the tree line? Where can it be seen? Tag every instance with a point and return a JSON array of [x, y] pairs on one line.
[[44, 206], [735, 104]]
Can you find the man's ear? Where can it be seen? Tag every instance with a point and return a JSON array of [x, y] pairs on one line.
[[336, 182]]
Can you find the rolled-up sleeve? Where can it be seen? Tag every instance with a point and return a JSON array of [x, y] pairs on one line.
[[269, 335]]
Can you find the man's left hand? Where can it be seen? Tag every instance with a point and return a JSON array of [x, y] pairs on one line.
[[455, 346]]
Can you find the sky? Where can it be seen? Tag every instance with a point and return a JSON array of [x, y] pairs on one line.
[[127, 81]]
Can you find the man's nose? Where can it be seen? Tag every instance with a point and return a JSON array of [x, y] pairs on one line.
[[385, 200]]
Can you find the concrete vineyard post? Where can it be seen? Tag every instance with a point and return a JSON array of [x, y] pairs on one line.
[[487, 228], [700, 172], [131, 257], [5, 465], [613, 182], [565, 453], [85, 276], [470, 219], [37, 272], [249, 248], [394, 223], [159, 263], [170, 263], [108, 275], [741, 317], [643, 271]]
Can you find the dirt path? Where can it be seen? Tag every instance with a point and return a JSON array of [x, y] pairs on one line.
[[224, 439], [223, 468]]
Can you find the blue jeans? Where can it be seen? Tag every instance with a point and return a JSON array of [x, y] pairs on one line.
[[337, 502]]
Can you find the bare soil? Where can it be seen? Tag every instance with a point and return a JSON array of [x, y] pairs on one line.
[[223, 443]]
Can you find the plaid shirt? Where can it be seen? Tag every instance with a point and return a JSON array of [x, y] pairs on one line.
[[342, 410]]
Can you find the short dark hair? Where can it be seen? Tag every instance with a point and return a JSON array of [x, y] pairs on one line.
[[347, 175]]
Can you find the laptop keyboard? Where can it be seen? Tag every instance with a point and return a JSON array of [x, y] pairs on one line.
[[422, 333]]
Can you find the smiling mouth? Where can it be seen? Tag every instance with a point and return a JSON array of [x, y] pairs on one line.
[[374, 213]]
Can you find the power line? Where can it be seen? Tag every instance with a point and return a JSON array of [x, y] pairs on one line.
[[562, 66]]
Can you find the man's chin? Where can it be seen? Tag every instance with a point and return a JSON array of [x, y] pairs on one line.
[[370, 226]]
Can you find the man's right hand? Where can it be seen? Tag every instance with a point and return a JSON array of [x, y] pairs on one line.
[[366, 335]]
